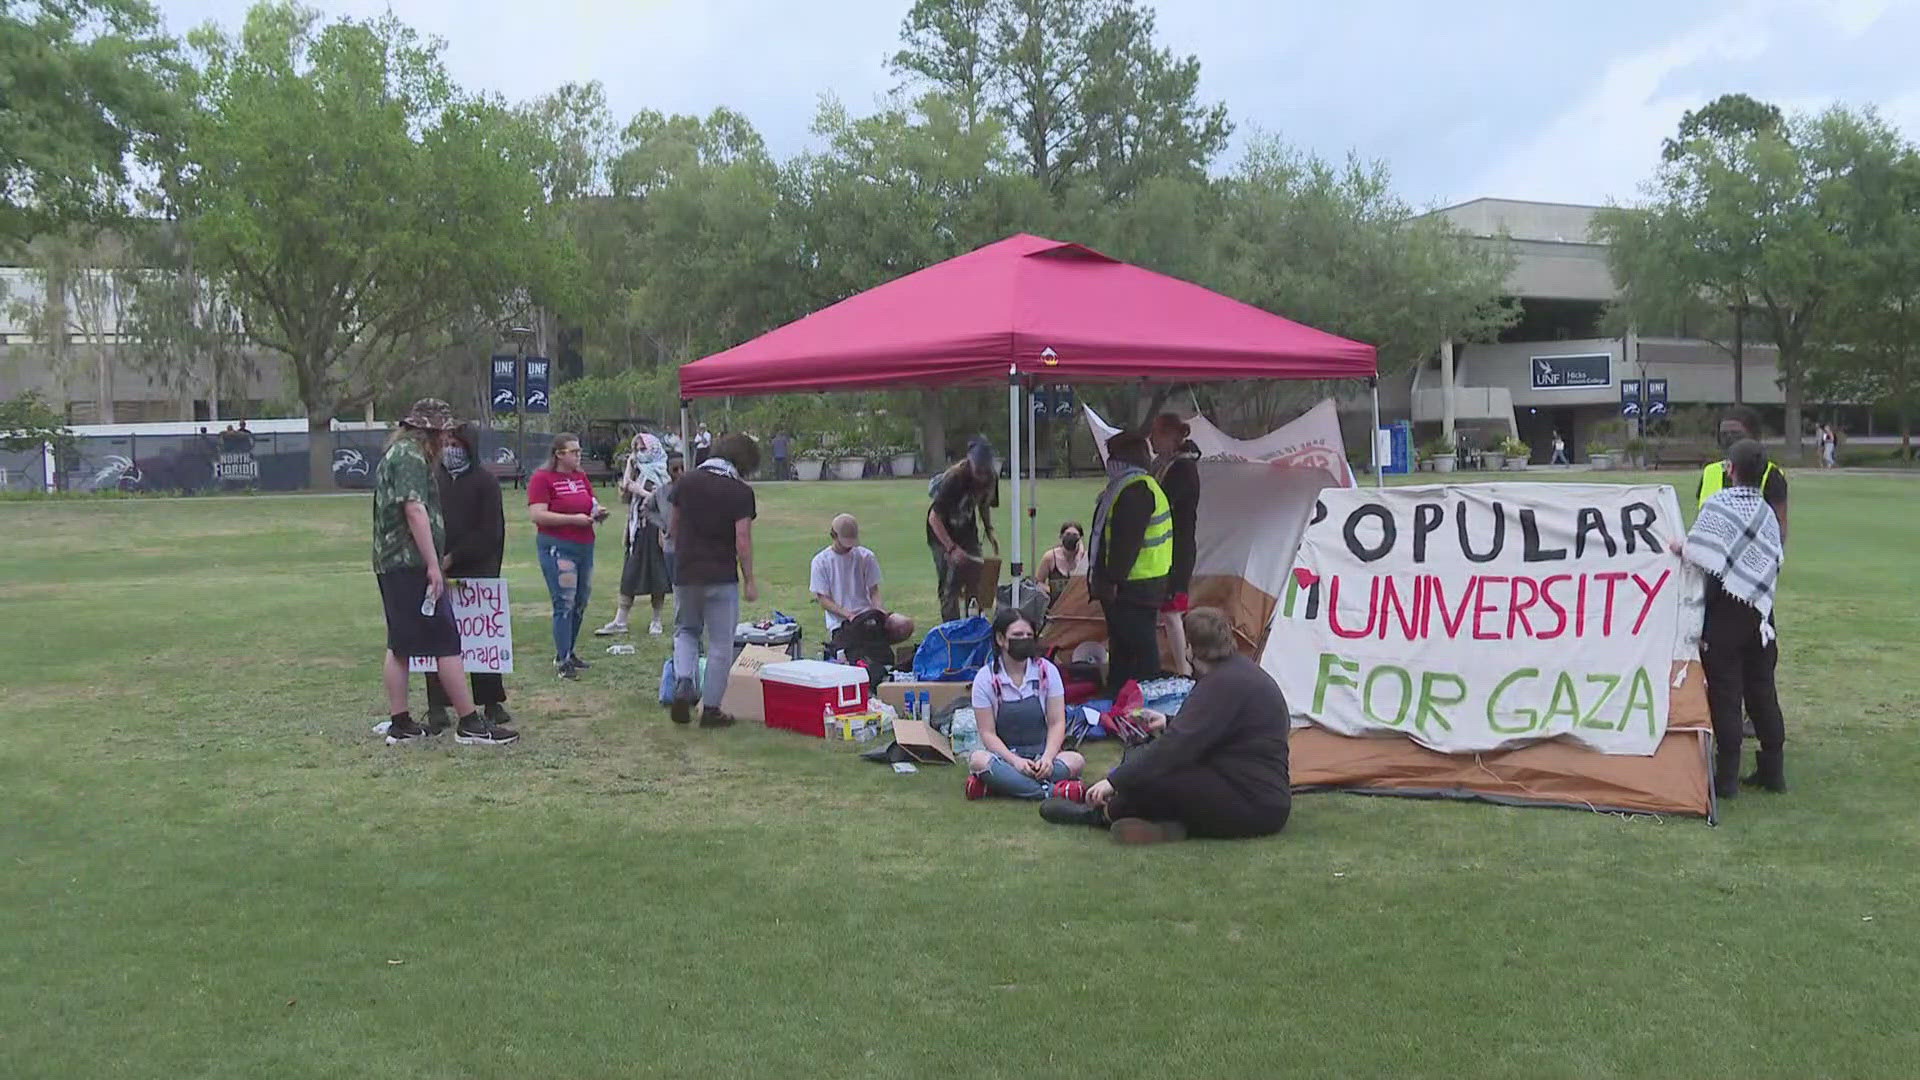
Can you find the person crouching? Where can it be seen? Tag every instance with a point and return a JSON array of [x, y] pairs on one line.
[[1217, 769]]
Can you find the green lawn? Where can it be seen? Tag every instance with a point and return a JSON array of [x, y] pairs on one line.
[[210, 868]]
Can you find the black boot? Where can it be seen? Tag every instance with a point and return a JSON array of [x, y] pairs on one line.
[[1771, 772], [1726, 772]]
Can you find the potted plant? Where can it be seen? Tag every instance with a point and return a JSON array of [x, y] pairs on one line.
[[1441, 455], [849, 459], [1494, 458], [903, 460], [1517, 452], [1599, 456], [811, 464], [1637, 452]]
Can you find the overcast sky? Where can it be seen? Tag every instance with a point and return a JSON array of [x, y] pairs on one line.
[[1525, 99]]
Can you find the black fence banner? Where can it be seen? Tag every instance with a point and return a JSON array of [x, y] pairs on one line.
[[538, 368], [506, 380]]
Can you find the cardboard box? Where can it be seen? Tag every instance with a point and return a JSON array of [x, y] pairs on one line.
[[986, 584], [744, 699], [922, 743], [939, 693]]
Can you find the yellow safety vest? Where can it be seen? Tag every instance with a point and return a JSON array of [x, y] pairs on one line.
[[1156, 548], [1714, 477]]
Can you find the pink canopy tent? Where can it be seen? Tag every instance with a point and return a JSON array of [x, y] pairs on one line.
[[1022, 311]]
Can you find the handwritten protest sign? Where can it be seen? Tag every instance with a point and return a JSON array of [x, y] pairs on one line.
[[486, 630], [1483, 616]]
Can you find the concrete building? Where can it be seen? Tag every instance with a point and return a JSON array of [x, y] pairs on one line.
[[1552, 371]]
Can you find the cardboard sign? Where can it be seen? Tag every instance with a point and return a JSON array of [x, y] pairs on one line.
[[922, 743], [1485, 616], [486, 627], [744, 699]]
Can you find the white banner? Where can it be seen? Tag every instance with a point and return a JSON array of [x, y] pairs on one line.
[[1308, 441], [1483, 616], [486, 627]]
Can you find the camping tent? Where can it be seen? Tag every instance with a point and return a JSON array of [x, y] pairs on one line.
[[1021, 311], [1256, 501]]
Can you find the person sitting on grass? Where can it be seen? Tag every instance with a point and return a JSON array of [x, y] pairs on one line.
[[1738, 541], [1020, 705], [845, 580], [1218, 769]]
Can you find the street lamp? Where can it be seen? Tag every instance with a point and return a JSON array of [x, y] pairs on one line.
[[520, 334]]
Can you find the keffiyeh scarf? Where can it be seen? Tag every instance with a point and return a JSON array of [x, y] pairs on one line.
[[647, 469], [1736, 538]]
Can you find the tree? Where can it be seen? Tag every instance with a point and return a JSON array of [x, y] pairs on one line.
[[85, 87], [1082, 89], [27, 422], [182, 328], [81, 300], [354, 200]]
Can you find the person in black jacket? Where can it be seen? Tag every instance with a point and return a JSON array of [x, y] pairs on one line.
[[1121, 519], [1176, 465], [1218, 769], [476, 527]]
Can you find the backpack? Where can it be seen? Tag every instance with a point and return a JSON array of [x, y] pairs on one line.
[[862, 641], [1026, 597], [955, 651]]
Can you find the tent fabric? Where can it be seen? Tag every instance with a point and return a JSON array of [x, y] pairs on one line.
[[1033, 307]]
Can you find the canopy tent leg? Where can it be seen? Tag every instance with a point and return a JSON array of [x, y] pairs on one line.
[[686, 433], [1379, 474], [1013, 444], [1033, 482]]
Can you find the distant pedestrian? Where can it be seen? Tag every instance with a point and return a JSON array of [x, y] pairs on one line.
[[1559, 451], [782, 444], [702, 444]]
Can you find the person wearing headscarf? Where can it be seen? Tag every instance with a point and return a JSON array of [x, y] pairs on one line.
[[645, 571], [476, 526], [963, 498], [1737, 540]]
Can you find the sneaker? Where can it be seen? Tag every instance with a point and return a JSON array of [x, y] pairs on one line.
[[1068, 812], [976, 786], [1070, 790], [712, 717], [497, 713], [578, 663], [566, 669], [654, 628], [1135, 830], [406, 731], [438, 720], [612, 628], [475, 731]]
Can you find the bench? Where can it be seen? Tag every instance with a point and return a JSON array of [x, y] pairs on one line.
[[507, 473]]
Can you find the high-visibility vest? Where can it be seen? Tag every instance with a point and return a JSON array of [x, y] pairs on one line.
[[1156, 548], [1714, 477]]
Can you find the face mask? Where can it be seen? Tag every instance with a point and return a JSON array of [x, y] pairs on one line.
[[455, 459], [1021, 648], [1728, 438], [1070, 542]]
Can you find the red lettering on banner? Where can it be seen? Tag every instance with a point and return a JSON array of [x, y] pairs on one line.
[[1613, 578], [1481, 607], [1436, 593], [1408, 615], [1516, 610], [1333, 609], [1651, 591]]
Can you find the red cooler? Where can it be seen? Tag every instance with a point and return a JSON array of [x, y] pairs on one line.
[[797, 693]]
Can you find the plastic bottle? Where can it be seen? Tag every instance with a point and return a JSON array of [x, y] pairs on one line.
[[827, 724], [429, 603]]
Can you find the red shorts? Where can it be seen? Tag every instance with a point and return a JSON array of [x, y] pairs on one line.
[[1175, 605]]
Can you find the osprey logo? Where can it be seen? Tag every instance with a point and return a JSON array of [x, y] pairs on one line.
[[536, 397], [349, 462], [504, 456], [1544, 374], [118, 472], [503, 399]]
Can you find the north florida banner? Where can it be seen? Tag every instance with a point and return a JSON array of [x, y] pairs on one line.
[[486, 626], [1483, 616]]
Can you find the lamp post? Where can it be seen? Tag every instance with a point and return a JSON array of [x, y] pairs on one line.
[[520, 335]]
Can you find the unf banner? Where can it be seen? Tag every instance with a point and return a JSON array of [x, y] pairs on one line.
[[1484, 616], [506, 394], [538, 378]]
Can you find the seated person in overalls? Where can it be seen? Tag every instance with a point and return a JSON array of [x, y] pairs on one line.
[[1020, 705]]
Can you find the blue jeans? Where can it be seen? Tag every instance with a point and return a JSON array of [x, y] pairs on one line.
[[1005, 780], [568, 568]]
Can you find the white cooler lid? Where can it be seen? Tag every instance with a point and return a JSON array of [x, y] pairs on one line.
[[817, 674]]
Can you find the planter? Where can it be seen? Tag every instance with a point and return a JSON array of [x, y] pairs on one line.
[[1601, 462], [905, 464], [850, 468], [808, 469], [1517, 464], [1443, 462], [1493, 461]]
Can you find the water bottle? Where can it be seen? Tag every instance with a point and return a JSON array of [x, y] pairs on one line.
[[827, 724], [429, 603], [926, 707]]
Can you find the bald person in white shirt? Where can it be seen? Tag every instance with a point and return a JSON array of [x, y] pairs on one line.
[[845, 580]]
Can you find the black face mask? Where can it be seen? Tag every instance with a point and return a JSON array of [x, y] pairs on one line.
[[1021, 648], [1070, 542]]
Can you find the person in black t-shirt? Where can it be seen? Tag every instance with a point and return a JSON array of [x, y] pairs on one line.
[[712, 531], [962, 500]]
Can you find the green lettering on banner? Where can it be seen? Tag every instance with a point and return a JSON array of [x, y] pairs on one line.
[[1406, 695], [1640, 696], [1612, 683], [1330, 677], [1565, 702], [1429, 697], [1529, 718]]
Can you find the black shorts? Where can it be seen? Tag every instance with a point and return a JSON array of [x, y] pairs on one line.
[[410, 633]]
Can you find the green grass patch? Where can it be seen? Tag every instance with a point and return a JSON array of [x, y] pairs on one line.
[[212, 869]]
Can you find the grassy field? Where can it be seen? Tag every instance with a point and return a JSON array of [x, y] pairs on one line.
[[212, 869]]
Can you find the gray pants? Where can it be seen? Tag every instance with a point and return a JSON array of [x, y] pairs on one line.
[[712, 612]]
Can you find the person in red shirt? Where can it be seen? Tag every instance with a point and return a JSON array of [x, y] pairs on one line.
[[561, 503]]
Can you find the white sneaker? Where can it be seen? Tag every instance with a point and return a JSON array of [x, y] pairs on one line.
[[654, 628], [612, 628]]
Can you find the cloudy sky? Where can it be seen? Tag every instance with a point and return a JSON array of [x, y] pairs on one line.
[[1528, 99]]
